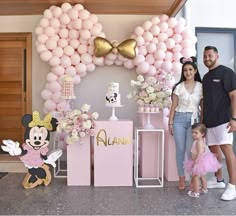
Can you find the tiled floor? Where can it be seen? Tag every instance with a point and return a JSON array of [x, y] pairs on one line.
[[60, 199]]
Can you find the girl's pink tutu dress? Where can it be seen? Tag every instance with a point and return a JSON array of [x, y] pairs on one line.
[[207, 162]]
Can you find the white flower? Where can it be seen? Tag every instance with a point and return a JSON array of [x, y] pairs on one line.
[[84, 116], [140, 78], [95, 115], [85, 107], [87, 124], [150, 89], [82, 134]]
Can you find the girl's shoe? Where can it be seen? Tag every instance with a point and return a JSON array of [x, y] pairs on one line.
[[203, 190], [193, 194]]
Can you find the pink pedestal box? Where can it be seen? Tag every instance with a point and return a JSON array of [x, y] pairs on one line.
[[148, 153], [113, 153], [79, 163]]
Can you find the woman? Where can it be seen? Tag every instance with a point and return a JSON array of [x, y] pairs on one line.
[[184, 111]]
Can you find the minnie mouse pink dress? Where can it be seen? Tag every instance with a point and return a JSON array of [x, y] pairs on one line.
[[206, 162]]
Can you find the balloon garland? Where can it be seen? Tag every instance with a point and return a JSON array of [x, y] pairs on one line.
[[65, 40]]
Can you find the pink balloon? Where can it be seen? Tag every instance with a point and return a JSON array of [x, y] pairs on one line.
[[85, 34], [44, 22], [42, 38], [159, 54], [164, 17], [84, 14], [58, 70], [73, 14], [54, 61], [176, 67], [167, 66], [170, 32], [54, 86], [162, 37], [143, 50], [62, 43], [151, 48], [93, 18], [66, 6], [139, 30], [82, 49], [57, 51], [70, 71], [177, 56], [186, 43], [108, 61], [177, 38], [80, 68], [155, 20], [87, 24], [98, 61], [147, 36], [152, 71], [140, 40], [155, 30], [73, 34], [57, 11], [51, 77], [56, 97], [86, 58], [76, 79], [45, 55], [47, 13], [95, 30], [90, 67], [177, 48], [129, 64], [64, 19], [51, 44], [168, 56], [46, 94], [158, 64], [74, 43], [172, 22], [65, 61], [41, 48], [178, 28], [63, 33], [143, 68], [55, 23], [68, 50], [77, 24], [163, 26], [138, 59], [150, 59], [49, 31], [38, 30], [170, 43], [147, 25], [50, 105], [75, 59]]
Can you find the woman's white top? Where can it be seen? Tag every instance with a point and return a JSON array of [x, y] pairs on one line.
[[189, 102]]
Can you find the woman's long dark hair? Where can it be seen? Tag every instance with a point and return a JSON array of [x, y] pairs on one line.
[[191, 61]]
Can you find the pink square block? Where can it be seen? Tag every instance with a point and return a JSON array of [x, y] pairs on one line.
[[79, 163], [113, 153]]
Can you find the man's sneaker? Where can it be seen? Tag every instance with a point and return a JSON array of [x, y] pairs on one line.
[[230, 193], [213, 183]]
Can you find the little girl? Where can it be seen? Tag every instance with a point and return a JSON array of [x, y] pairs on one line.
[[202, 162]]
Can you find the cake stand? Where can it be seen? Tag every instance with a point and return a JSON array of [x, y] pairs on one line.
[[148, 124], [113, 114]]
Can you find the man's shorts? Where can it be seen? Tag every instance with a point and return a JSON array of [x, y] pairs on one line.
[[219, 135]]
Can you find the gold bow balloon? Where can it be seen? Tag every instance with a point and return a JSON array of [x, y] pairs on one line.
[[104, 47], [46, 122]]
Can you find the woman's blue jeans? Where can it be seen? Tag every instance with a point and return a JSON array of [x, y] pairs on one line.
[[183, 138]]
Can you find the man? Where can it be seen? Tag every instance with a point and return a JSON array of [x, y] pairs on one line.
[[219, 116]]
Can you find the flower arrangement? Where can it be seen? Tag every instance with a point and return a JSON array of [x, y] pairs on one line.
[[77, 123], [148, 90]]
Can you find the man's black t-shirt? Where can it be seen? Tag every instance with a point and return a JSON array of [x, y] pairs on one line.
[[217, 84]]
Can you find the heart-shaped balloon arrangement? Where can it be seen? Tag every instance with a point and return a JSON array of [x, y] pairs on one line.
[[65, 40]]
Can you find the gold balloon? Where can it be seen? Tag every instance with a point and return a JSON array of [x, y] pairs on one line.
[[104, 47]]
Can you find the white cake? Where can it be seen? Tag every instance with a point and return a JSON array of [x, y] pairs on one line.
[[113, 95]]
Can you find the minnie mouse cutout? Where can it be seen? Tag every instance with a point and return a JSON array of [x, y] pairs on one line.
[[33, 153]]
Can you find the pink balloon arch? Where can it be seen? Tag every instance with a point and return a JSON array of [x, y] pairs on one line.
[[65, 40]]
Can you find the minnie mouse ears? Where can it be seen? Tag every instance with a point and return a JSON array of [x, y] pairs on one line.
[[191, 59]]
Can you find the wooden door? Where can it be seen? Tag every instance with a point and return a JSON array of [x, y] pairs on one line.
[[15, 84]]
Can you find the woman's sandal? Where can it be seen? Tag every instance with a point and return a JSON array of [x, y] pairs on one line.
[[193, 194], [203, 190], [181, 186]]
